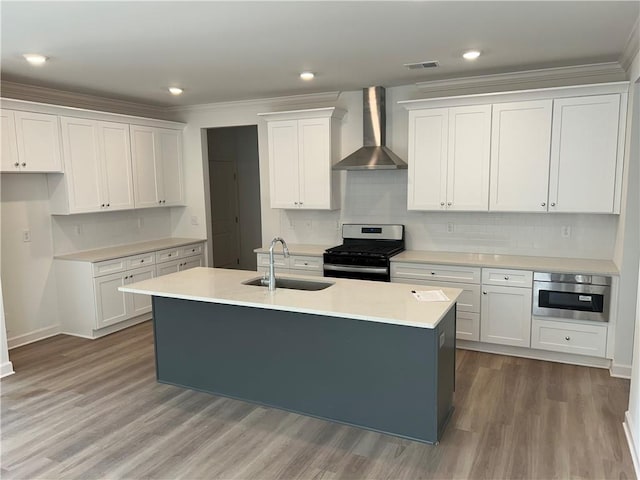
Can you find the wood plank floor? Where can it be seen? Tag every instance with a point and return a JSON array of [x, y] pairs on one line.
[[81, 409]]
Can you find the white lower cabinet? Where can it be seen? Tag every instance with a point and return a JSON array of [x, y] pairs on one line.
[[468, 305], [294, 264], [113, 306], [91, 304], [506, 315], [569, 337]]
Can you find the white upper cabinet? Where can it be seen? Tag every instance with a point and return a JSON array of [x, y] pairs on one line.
[[32, 142], [303, 146], [585, 154], [449, 158], [520, 143], [98, 177], [157, 166]]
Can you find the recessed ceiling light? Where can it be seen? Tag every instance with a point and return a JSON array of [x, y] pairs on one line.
[[175, 90], [307, 75], [35, 58], [471, 54]]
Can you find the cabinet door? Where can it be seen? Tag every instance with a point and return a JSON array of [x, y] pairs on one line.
[[468, 158], [145, 168], [38, 138], [9, 160], [169, 153], [427, 176], [584, 154], [283, 163], [191, 262], [314, 166], [506, 316], [168, 267], [520, 144], [82, 165], [117, 176], [139, 304], [111, 304]]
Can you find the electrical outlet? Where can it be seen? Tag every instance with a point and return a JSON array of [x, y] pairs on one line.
[[565, 231], [450, 227], [26, 235], [194, 220]]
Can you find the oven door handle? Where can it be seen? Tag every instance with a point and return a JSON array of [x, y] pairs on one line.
[[355, 269]]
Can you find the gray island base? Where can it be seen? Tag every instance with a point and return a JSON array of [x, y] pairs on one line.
[[388, 378]]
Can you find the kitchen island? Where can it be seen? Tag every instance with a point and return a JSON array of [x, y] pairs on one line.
[[362, 353]]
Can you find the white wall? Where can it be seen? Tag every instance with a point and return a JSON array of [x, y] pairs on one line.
[[30, 295], [632, 421], [6, 367]]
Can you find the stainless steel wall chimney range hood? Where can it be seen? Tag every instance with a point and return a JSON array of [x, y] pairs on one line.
[[374, 155]]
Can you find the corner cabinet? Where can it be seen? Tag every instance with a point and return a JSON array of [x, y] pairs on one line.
[[449, 158], [30, 142], [303, 147], [157, 166]]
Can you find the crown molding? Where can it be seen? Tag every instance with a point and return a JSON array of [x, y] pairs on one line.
[[558, 76], [632, 47], [274, 103], [33, 93]]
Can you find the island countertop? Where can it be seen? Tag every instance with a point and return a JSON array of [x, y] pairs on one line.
[[391, 303]]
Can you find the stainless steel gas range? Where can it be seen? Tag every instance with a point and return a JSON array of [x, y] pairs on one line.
[[365, 252]]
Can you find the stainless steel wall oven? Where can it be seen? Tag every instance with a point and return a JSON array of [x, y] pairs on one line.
[[573, 296]]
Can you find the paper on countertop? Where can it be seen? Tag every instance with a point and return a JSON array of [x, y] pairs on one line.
[[430, 296]]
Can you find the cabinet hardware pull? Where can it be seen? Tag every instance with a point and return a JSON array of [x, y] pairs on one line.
[[542, 204], [484, 293], [108, 204], [506, 277], [442, 204], [567, 338], [16, 164], [433, 273], [142, 261], [159, 201], [169, 254], [449, 203], [102, 205], [553, 204], [24, 164]]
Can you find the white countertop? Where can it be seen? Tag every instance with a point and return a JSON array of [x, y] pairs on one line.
[[355, 299], [298, 249], [544, 264], [109, 253]]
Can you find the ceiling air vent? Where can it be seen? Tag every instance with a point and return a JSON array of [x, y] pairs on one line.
[[422, 65]]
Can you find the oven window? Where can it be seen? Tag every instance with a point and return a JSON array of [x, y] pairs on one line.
[[584, 302]]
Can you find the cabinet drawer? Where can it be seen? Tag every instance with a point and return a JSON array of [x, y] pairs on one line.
[[109, 266], [166, 255], [278, 260], [298, 262], [140, 260], [446, 273], [469, 299], [190, 250], [165, 268], [569, 337], [468, 326], [512, 278]]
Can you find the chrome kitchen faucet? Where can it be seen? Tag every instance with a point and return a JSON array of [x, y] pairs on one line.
[[272, 273]]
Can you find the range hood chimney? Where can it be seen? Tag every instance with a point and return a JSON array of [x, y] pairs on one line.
[[374, 155]]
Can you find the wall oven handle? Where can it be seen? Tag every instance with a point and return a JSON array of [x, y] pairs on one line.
[[355, 269]]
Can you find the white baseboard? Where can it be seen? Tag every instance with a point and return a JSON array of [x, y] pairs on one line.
[[34, 336], [112, 328], [549, 356], [620, 371], [628, 432], [6, 369]]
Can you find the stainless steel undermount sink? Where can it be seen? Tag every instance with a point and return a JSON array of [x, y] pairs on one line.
[[291, 283]]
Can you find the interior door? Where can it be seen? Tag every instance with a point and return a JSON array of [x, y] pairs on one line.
[[224, 212]]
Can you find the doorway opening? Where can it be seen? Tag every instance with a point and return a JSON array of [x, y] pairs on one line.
[[234, 183]]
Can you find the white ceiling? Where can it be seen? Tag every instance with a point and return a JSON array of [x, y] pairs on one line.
[[223, 51]]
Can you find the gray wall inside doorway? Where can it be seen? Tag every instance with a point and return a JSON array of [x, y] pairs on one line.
[[233, 156]]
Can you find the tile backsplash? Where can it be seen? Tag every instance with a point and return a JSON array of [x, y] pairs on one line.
[[381, 197]]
